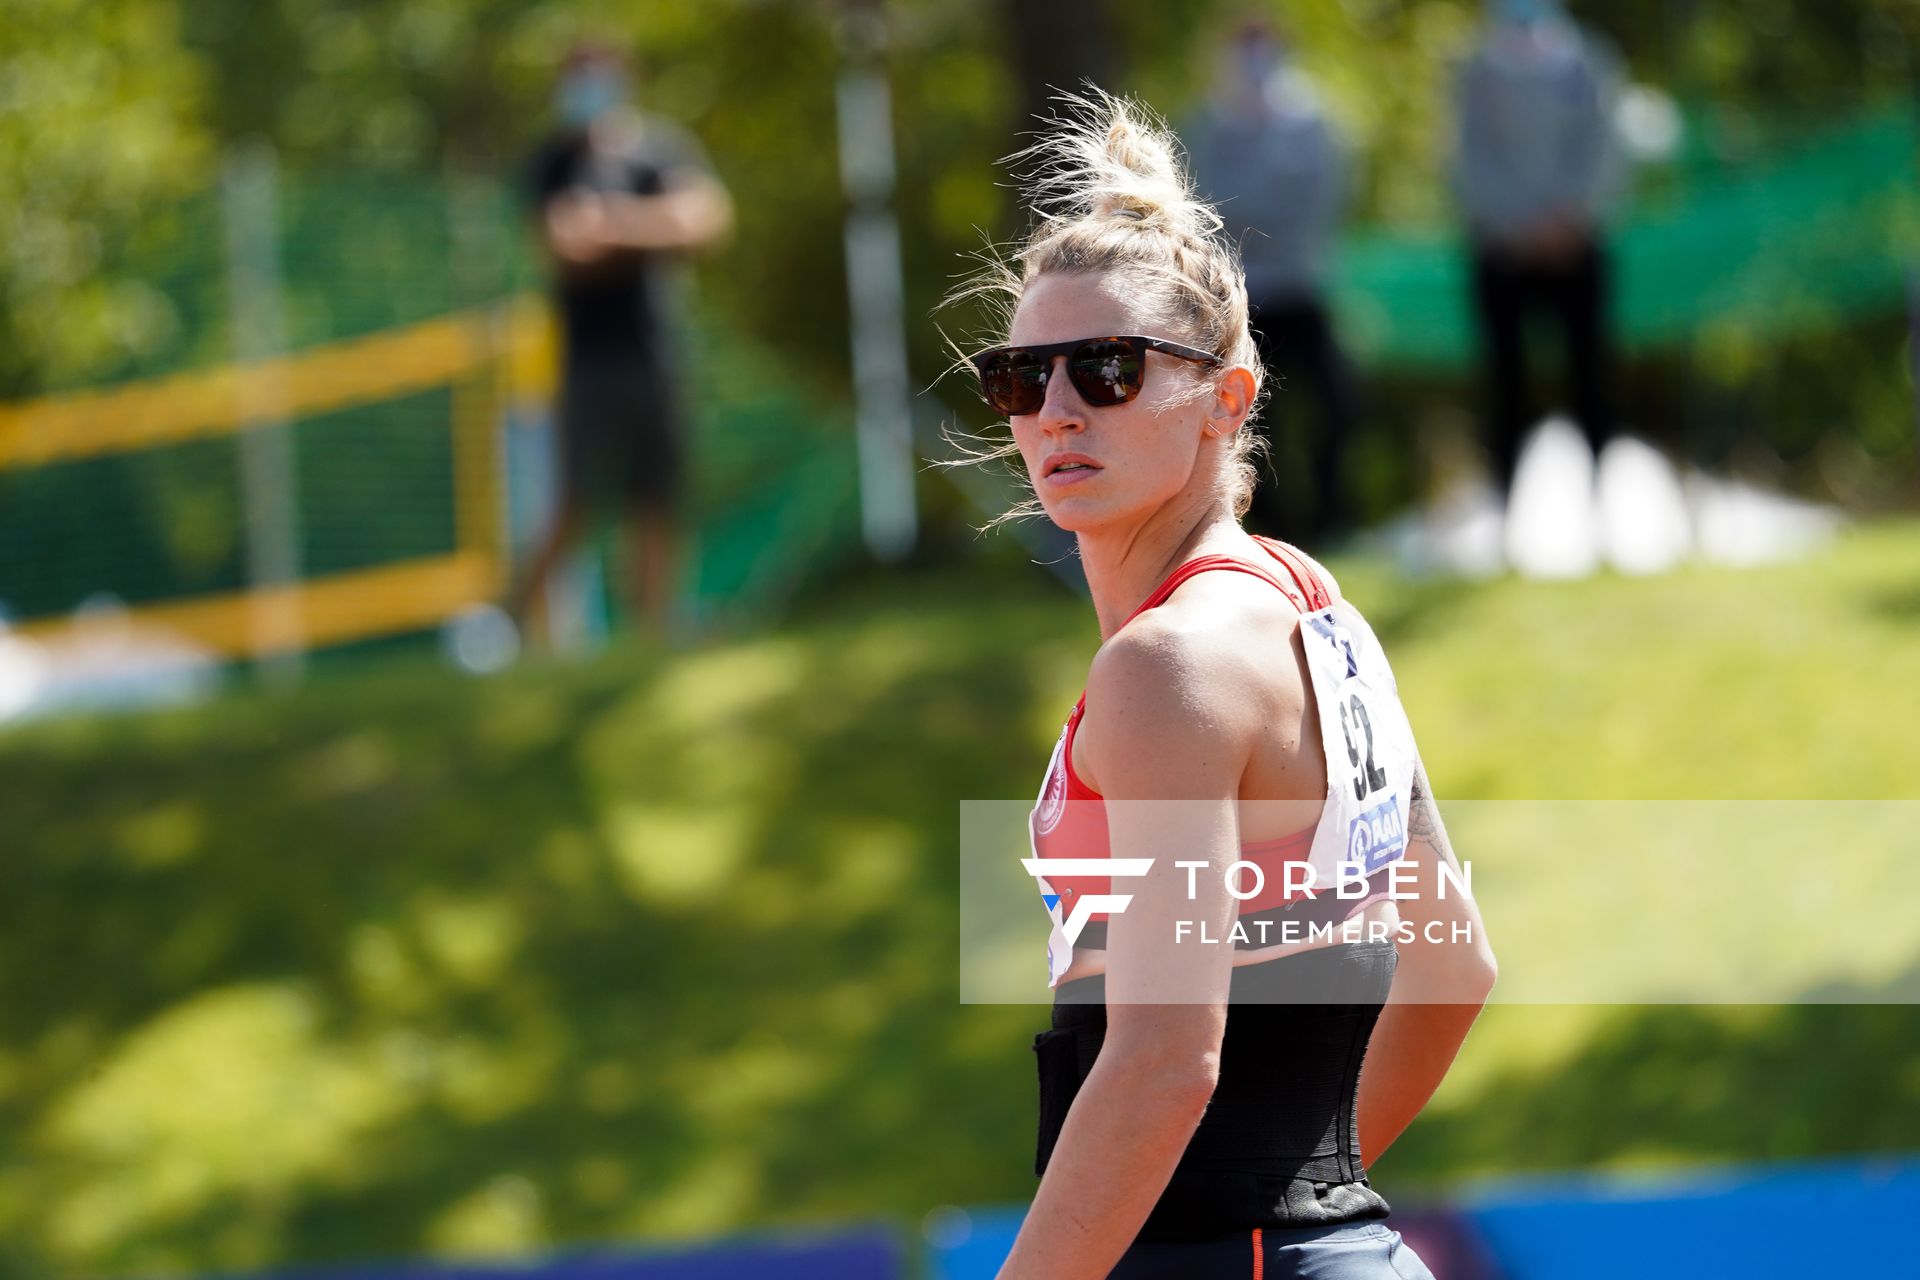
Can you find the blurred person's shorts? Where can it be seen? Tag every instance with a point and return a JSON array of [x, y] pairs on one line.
[[1367, 1250], [621, 440]]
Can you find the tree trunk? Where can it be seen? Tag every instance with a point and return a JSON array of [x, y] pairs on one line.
[[1053, 45]]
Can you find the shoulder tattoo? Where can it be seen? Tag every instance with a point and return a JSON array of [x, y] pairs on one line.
[[1422, 822]]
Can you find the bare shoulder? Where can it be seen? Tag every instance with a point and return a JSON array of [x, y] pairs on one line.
[[1214, 624], [1165, 663], [1179, 699], [1163, 719]]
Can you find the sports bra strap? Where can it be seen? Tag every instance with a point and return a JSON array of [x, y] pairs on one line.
[[1319, 596], [1202, 564], [1307, 592]]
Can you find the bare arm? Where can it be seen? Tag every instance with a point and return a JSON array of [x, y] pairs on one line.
[[585, 227], [1122, 1138], [1438, 990], [1170, 757], [690, 215]]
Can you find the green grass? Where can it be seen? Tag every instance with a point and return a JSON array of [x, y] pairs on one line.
[[659, 947]]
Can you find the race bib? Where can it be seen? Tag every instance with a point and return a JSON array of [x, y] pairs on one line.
[[1368, 744]]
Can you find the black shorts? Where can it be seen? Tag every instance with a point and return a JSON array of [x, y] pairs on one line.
[[1347, 1251], [621, 441]]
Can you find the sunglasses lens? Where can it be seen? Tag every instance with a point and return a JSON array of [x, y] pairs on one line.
[[1014, 381], [1107, 372]]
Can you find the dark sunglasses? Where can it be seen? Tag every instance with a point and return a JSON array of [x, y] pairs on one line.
[[1105, 371]]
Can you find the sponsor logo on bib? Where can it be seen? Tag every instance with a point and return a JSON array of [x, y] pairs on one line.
[[1377, 836]]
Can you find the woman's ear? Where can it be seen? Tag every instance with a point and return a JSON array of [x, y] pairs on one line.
[[1232, 401]]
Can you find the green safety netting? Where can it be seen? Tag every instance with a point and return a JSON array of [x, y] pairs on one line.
[[1813, 222]]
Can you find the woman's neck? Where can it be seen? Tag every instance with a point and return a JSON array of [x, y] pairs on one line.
[[1123, 566]]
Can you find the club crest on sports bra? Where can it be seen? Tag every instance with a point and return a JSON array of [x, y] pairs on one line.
[[1053, 792]]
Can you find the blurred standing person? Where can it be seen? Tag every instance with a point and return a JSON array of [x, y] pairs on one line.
[[1269, 159], [1535, 168], [618, 196]]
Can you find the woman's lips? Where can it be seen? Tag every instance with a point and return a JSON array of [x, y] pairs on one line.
[[1061, 479]]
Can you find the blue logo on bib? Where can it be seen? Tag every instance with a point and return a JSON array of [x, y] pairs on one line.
[[1377, 836], [1341, 640]]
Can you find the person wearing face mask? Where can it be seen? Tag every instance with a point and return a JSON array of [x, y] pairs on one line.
[[618, 197], [1535, 169], [1268, 158]]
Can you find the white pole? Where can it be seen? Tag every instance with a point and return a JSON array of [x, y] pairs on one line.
[[250, 195], [883, 401]]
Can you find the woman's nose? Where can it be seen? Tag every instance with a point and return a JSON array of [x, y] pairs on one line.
[[1063, 408]]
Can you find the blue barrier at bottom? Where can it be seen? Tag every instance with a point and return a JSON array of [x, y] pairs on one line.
[[1840, 1218], [872, 1253], [963, 1244], [1843, 1217]]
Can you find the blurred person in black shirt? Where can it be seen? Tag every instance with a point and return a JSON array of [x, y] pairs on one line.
[[618, 196]]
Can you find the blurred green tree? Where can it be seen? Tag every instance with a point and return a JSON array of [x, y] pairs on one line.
[[110, 110], [102, 120]]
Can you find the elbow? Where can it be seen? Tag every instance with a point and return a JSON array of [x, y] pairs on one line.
[[1462, 974], [1178, 1086], [1486, 971], [1195, 1081], [1165, 1060], [1471, 968], [1186, 1093], [1476, 970], [1185, 1085]]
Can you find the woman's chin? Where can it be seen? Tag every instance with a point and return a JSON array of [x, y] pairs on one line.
[[1075, 515]]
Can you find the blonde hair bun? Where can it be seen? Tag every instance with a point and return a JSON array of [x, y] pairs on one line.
[[1102, 158]]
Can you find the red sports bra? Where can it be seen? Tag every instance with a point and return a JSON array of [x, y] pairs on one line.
[[1070, 822]]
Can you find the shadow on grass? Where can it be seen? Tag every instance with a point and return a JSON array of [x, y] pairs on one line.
[[1898, 604], [419, 963], [1667, 1084]]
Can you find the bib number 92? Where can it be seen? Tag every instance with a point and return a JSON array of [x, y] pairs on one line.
[[1368, 777]]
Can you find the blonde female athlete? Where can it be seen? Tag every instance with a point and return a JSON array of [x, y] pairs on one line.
[[1237, 712]]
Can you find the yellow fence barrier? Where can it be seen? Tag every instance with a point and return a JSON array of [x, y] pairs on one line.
[[483, 353], [319, 611], [320, 379]]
